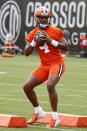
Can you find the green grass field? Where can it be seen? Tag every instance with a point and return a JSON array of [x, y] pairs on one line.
[[72, 90]]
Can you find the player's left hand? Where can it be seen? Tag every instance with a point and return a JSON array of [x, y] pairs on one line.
[[48, 39]]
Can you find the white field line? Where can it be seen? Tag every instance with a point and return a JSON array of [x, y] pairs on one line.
[[70, 89], [12, 99], [3, 72], [44, 95], [6, 95], [64, 104], [58, 129], [12, 84], [76, 95], [74, 90], [42, 102], [82, 84], [79, 84], [73, 105], [21, 64]]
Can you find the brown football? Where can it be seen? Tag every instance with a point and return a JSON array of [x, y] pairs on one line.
[[40, 39]]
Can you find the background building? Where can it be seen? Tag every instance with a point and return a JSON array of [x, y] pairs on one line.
[[18, 17]]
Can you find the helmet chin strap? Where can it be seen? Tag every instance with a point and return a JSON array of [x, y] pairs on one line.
[[43, 25]]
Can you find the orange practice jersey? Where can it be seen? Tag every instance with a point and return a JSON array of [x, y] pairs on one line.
[[48, 53]]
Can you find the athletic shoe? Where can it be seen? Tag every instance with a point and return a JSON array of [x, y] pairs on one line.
[[33, 119], [41, 115], [53, 123], [36, 117]]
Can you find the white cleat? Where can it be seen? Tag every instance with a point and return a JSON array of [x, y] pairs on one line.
[[56, 123], [41, 115]]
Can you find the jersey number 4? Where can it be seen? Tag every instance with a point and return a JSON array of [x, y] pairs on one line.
[[45, 48]]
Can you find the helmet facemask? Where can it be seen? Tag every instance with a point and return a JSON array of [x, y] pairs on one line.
[[41, 23]]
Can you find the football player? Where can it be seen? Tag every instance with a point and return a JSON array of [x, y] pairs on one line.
[[52, 64]]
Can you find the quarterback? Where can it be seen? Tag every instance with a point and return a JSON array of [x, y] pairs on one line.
[[49, 41]]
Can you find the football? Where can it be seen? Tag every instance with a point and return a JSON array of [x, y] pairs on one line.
[[40, 38]]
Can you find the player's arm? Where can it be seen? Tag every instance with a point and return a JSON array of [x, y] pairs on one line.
[[29, 48], [61, 44], [30, 45]]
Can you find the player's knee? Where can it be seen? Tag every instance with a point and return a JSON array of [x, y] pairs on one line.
[[27, 88], [50, 87]]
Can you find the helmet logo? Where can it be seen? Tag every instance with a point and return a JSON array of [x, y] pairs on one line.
[[44, 12]]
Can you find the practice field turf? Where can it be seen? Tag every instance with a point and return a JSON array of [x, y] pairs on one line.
[[72, 90]]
